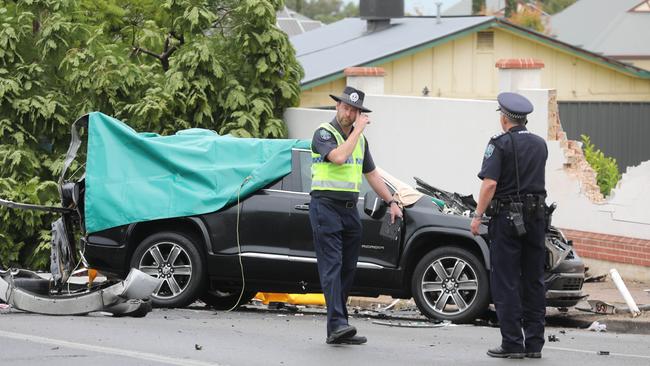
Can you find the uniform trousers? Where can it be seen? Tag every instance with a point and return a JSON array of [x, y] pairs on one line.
[[517, 282], [337, 241]]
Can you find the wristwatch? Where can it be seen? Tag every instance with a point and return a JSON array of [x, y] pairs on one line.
[[475, 215]]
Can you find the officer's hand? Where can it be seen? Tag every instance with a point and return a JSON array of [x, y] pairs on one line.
[[476, 223], [361, 121], [395, 211]]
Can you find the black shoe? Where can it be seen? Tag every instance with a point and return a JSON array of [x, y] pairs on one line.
[[500, 353], [533, 354], [346, 331], [352, 340]]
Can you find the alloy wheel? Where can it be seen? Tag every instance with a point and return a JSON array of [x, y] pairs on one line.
[[449, 285], [171, 263]]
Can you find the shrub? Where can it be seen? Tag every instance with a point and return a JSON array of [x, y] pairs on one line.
[[607, 174]]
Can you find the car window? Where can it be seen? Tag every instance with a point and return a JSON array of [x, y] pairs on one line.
[[305, 175]]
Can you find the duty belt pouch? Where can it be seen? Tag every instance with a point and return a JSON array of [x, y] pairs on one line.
[[516, 217], [492, 209], [390, 231]]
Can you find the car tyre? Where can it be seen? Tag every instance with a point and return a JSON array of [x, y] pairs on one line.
[[450, 283], [174, 258], [221, 300]]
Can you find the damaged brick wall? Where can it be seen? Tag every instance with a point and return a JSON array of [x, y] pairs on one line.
[[613, 248], [576, 165]]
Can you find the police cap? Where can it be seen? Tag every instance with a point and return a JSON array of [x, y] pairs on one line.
[[514, 105]]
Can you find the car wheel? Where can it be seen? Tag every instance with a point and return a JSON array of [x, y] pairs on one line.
[[450, 283], [224, 300], [173, 258]]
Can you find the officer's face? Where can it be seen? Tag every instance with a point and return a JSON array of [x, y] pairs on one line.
[[346, 114]]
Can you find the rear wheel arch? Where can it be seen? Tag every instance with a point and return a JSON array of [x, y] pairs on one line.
[[191, 227]]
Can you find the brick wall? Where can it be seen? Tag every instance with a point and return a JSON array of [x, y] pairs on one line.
[[610, 248]]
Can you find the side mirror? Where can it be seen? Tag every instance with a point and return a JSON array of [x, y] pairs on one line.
[[374, 206]]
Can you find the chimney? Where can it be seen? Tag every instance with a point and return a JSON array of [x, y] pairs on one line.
[[519, 73], [370, 80], [378, 13]]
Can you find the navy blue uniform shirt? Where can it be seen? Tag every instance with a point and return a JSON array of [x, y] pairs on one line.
[[323, 143], [499, 162]]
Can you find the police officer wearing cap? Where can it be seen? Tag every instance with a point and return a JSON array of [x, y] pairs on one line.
[[513, 194], [340, 155]]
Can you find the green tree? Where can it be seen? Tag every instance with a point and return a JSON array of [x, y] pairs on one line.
[[528, 18], [326, 11], [556, 6], [158, 65]]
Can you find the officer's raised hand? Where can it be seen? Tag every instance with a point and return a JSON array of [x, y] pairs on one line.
[[361, 121]]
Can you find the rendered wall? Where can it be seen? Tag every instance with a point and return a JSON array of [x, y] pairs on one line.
[[443, 140]]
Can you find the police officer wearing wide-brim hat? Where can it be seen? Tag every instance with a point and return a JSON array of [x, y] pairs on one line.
[[340, 155], [513, 194]]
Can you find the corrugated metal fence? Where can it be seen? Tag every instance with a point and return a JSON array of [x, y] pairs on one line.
[[619, 129]]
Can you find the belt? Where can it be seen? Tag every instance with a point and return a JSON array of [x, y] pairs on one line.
[[346, 204], [532, 203]]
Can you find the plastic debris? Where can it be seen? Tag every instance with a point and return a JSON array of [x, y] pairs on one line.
[[597, 327], [553, 338], [198, 347], [597, 278], [412, 324], [603, 353]]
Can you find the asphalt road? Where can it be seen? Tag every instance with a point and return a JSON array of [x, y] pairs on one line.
[[204, 337]]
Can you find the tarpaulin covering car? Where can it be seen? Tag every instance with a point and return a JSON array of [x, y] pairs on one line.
[[133, 177]]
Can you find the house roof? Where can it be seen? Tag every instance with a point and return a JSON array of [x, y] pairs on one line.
[[293, 23], [605, 26], [325, 52]]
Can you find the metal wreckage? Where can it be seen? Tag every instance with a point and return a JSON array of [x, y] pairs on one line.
[[28, 291]]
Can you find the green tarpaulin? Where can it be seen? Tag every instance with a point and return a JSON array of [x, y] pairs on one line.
[[132, 177]]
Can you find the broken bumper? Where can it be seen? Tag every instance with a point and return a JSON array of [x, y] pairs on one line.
[[123, 298]]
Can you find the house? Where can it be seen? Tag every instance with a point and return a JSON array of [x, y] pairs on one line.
[[462, 57], [456, 57], [616, 29]]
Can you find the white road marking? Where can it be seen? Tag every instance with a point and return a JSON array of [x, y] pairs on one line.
[[107, 350], [596, 352]]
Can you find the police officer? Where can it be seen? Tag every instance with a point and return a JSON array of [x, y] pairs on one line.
[[513, 193], [340, 155]]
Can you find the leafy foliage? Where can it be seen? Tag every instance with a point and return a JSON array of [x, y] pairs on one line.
[[556, 6], [528, 18], [607, 173], [326, 11], [159, 65]]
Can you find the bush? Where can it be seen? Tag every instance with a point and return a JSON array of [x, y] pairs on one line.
[[607, 174]]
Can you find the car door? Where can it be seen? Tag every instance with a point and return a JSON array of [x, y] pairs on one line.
[[376, 252]]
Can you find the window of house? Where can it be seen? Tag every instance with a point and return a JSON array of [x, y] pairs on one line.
[[485, 41]]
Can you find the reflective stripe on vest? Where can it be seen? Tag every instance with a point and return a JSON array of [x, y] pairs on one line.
[[346, 177]]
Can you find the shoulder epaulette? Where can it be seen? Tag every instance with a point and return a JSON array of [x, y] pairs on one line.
[[498, 136]]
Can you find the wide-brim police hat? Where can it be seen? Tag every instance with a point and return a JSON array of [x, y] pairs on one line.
[[353, 97]]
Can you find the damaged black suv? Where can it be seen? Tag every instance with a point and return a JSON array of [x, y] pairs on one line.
[[264, 243]]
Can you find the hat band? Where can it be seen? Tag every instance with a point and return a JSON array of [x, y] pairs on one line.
[[512, 115]]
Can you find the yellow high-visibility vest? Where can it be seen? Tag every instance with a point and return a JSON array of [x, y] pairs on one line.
[[327, 176]]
